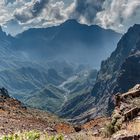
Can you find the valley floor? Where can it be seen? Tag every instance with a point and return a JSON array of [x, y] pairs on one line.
[[67, 91]]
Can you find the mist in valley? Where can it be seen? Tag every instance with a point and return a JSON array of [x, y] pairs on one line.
[[35, 63]]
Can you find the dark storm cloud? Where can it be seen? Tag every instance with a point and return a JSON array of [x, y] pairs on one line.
[[87, 9]]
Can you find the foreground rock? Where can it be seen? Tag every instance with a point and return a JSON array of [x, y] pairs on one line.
[[15, 117], [127, 105], [124, 123], [125, 120]]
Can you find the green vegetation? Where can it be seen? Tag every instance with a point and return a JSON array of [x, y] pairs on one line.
[[32, 135], [80, 89], [108, 130], [48, 98], [114, 125]]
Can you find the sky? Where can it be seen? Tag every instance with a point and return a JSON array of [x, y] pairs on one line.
[[19, 15]]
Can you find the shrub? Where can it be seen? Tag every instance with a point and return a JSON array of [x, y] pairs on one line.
[[58, 137], [109, 130], [32, 135]]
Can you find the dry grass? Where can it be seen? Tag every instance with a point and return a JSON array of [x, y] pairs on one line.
[[86, 135], [134, 126], [131, 128]]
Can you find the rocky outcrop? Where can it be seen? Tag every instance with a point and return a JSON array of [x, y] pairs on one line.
[[128, 104], [129, 137], [9, 105], [129, 74], [127, 107], [15, 117]]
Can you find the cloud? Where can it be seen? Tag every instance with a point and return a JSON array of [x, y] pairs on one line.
[[38, 6], [30, 10], [9, 1], [41, 12], [119, 14], [34, 14], [4, 15], [86, 10]]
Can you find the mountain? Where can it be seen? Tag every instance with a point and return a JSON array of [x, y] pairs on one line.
[[119, 73], [40, 86], [25, 80], [70, 41], [49, 98], [127, 108], [62, 99], [22, 81], [78, 89], [130, 71], [44, 68], [70, 90], [14, 116], [33, 123]]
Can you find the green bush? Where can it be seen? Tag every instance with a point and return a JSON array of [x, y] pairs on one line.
[[58, 137], [32, 135]]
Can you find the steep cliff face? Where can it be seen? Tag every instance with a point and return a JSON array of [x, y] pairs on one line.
[[120, 72], [130, 72]]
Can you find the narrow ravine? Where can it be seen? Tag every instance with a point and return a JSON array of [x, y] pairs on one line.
[[67, 91]]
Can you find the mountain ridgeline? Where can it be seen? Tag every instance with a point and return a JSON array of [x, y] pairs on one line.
[[47, 68], [69, 41], [54, 68], [119, 73]]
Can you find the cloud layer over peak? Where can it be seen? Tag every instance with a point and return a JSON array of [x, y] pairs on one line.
[[118, 15], [86, 10]]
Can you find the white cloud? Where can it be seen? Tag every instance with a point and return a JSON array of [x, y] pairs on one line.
[[4, 15], [86, 10], [33, 13], [119, 14], [52, 12]]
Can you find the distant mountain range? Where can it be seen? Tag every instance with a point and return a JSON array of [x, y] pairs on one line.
[[69, 41], [54, 68]]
